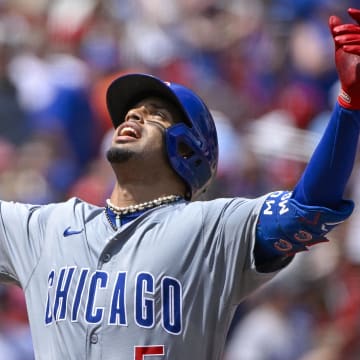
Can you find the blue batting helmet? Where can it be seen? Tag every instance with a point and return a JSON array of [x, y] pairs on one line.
[[197, 132]]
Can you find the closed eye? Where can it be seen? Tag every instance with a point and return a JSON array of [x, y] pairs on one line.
[[160, 114], [161, 117]]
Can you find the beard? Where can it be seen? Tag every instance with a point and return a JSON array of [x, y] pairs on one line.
[[117, 156]]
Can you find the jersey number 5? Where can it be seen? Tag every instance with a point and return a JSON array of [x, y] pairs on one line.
[[142, 351]]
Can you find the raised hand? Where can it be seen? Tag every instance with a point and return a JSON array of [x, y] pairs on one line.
[[347, 58]]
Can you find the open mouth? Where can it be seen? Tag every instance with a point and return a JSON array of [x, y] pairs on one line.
[[130, 130]]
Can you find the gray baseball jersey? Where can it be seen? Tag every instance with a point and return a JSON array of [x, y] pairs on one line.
[[164, 286]]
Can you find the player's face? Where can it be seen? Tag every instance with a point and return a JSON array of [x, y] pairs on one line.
[[142, 132]]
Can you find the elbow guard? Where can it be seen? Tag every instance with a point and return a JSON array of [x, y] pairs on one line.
[[286, 227]]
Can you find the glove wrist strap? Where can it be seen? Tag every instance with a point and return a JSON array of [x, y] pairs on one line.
[[347, 102]]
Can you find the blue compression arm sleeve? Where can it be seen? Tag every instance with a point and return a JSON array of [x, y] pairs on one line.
[[325, 177]]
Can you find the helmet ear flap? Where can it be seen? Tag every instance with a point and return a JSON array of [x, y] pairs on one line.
[[188, 158]]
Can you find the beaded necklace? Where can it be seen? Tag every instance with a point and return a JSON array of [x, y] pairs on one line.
[[114, 213]]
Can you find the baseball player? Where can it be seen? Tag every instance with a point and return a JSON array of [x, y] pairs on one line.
[[156, 273]]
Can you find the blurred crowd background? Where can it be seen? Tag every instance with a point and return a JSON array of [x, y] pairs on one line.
[[266, 69]]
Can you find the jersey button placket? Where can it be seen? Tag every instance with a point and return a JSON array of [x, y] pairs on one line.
[[94, 339], [106, 257]]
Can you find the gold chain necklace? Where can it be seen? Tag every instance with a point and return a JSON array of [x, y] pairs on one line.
[[119, 211]]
